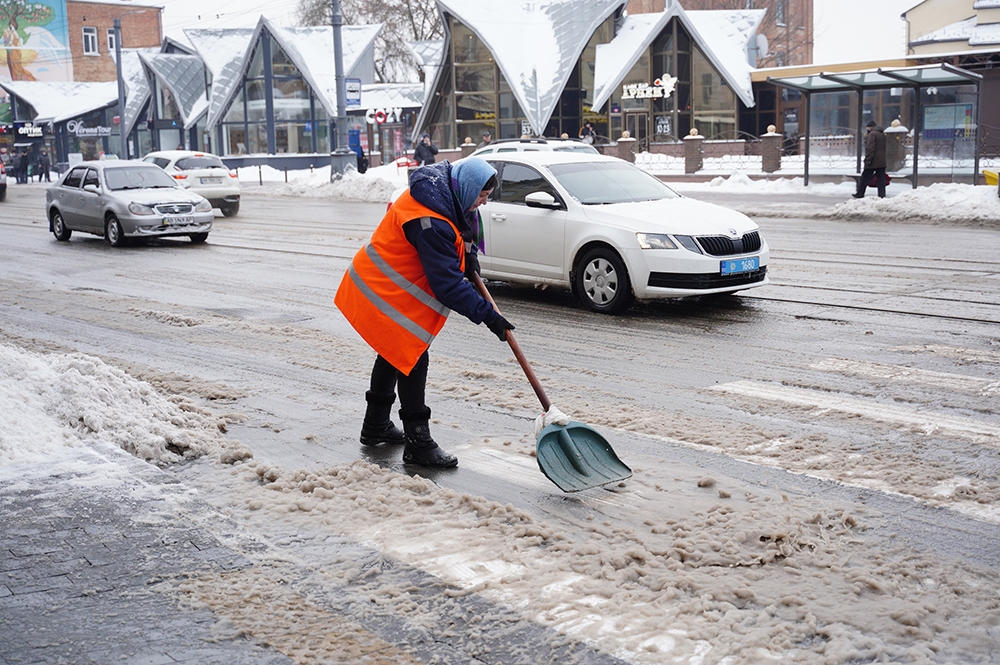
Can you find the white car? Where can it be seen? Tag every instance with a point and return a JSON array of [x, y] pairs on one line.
[[203, 173], [612, 233], [536, 145]]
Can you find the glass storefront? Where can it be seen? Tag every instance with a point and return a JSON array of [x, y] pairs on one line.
[[474, 97], [301, 123]]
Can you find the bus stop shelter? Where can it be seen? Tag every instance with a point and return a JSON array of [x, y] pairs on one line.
[[916, 78]]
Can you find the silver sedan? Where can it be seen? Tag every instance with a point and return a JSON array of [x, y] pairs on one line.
[[123, 199]]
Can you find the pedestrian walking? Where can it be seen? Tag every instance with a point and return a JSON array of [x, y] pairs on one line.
[[400, 287], [44, 167], [22, 167], [424, 154], [874, 161]]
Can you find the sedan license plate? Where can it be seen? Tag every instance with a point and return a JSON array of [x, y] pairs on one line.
[[211, 181], [176, 221], [736, 266]]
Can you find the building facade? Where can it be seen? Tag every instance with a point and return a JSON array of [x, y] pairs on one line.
[[655, 75], [92, 34]]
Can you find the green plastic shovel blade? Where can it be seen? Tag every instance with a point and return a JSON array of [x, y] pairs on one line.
[[575, 457]]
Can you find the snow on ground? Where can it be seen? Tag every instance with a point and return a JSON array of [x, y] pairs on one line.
[[716, 567], [939, 202]]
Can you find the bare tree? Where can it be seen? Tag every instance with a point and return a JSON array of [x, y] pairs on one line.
[[403, 21]]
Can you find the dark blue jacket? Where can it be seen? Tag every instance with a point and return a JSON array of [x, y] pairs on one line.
[[431, 186]]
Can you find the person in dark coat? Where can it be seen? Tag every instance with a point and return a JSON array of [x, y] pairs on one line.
[[874, 161], [424, 154], [44, 166], [22, 167]]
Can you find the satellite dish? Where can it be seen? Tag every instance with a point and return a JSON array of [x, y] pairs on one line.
[[762, 46]]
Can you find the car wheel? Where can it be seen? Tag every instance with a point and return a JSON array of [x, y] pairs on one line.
[[198, 237], [230, 210], [59, 229], [113, 232], [602, 283]]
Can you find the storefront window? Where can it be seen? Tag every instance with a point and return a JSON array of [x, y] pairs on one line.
[[474, 107], [477, 78], [291, 100], [714, 103], [256, 68], [169, 109], [281, 64], [295, 137], [257, 138], [235, 137], [466, 47], [256, 101], [236, 111]]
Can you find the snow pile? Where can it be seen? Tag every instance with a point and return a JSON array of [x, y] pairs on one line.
[[739, 181], [939, 202], [51, 403], [352, 186]]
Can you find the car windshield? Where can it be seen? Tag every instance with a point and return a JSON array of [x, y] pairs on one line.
[[597, 183], [137, 177], [200, 162]]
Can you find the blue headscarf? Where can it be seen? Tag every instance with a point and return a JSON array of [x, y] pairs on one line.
[[467, 179]]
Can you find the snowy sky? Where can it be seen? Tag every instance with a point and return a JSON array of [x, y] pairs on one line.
[[845, 30]]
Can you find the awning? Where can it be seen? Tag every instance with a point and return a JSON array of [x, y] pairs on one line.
[[916, 77]]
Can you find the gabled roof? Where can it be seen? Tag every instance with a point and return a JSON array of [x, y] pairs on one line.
[[56, 101], [137, 90], [429, 55], [222, 50], [184, 77], [310, 49], [722, 36], [536, 44]]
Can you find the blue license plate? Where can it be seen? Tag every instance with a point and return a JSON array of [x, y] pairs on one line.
[[736, 266]]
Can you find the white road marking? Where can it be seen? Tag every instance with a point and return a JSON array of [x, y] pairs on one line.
[[977, 430], [957, 382]]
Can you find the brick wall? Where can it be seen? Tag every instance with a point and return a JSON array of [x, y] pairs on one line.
[[141, 27]]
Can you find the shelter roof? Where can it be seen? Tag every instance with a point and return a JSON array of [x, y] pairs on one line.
[[881, 78], [56, 101], [723, 36], [536, 44]]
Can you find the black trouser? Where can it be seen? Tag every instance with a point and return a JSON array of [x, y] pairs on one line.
[[866, 177], [387, 380]]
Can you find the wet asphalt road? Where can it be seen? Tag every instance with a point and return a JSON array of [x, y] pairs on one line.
[[866, 371]]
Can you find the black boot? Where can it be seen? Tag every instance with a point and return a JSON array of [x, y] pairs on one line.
[[377, 428], [420, 448]]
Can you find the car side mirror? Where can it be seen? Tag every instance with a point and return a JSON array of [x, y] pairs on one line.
[[94, 189], [541, 200]]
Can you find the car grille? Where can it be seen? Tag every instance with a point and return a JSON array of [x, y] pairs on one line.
[[709, 280], [174, 208], [723, 246]]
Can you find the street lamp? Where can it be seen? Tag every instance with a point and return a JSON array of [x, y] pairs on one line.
[[342, 156], [121, 88]]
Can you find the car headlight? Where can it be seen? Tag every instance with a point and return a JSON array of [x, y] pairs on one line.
[[655, 241], [140, 209], [203, 206]]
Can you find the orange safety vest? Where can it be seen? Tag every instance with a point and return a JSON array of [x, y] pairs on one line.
[[385, 294]]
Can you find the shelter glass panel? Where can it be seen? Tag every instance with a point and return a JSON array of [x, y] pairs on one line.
[[257, 138], [715, 103], [236, 112], [168, 105], [475, 107], [256, 68]]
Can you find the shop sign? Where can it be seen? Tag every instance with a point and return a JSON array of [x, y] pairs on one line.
[[28, 130], [663, 124], [661, 88], [77, 128], [381, 116]]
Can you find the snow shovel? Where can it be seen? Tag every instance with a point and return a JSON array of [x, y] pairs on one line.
[[572, 455]]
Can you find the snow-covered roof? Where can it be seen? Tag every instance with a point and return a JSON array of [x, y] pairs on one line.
[[56, 101], [536, 44], [184, 77], [137, 91], [986, 4], [721, 35], [985, 34], [310, 49], [956, 32], [392, 95], [429, 55], [222, 50]]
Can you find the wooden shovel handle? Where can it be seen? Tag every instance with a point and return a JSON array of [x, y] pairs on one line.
[[477, 281]]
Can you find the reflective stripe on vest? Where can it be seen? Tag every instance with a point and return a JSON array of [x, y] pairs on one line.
[[389, 310], [401, 282]]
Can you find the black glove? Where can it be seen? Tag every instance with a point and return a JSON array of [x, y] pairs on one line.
[[471, 265], [499, 326]]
